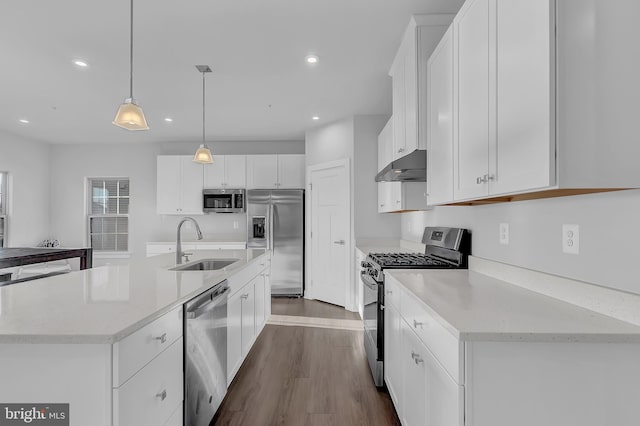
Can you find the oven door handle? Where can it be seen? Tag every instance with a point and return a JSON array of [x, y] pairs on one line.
[[368, 281]]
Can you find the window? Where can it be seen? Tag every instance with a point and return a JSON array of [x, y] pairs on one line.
[[109, 214], [3, 208]]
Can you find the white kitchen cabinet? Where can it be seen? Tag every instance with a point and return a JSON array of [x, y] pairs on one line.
[[440, 122], [393, 351], [401, 196], [260, 302], [504, 89], [234, 335], [179, 185], [227, 171], [385, 145], [414, 385], [276, 171], [247, 298], [408, 73]]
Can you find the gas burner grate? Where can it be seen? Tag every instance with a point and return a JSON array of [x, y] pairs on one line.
[[417, 260]]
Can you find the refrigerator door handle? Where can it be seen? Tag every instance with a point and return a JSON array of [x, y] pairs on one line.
[[271, 230]]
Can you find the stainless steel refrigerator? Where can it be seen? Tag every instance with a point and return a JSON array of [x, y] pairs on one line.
[[275, 220]]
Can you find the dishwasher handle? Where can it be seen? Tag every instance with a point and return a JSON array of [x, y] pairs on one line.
[[206, 303]]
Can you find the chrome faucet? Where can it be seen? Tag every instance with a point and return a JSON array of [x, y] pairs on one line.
[[179, 253]]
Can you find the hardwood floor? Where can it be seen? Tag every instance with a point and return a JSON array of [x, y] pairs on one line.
[[305, 376], [309, 308]]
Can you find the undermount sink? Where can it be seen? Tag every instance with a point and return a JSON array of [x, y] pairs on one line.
[[205, 265]]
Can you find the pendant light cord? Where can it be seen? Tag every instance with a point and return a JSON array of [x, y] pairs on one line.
[[203, 91], [131, 53]]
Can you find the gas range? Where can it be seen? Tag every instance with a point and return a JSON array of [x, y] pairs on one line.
[[445, 248]]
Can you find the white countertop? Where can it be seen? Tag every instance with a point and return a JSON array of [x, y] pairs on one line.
[[476, 307], [107, 303]]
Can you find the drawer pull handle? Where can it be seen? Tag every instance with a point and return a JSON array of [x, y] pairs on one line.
[[416, 357], [162, 395], [162, 338], [389, 292], [245, 296], [416, 324]]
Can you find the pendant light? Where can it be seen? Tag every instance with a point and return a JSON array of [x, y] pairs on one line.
[[203, 154], [130, 115]]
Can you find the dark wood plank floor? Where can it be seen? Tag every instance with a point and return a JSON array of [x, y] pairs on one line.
[[306, 376], [309, 308]]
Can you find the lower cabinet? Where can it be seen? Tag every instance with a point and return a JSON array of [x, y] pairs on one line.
[[248, 308], [392, 353]]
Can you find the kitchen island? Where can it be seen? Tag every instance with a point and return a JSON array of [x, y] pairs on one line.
[[108, 340]]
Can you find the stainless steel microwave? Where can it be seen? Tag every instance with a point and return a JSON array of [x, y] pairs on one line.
[[223, 200]]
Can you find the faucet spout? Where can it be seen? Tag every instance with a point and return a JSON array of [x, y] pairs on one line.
[[179, 238]]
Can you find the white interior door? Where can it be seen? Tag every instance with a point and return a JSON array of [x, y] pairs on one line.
[[330, 232]]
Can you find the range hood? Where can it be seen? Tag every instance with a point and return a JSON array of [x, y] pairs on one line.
[[410, 168]]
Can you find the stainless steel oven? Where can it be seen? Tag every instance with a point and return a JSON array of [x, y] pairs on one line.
[[373, 318]]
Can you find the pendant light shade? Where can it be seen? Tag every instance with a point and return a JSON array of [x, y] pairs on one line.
[[203, 154], [130, 115]]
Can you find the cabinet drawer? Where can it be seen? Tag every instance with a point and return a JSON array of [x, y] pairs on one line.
[[392, 291], [138, 349], [240, 278], [154, 393], [444, 346]]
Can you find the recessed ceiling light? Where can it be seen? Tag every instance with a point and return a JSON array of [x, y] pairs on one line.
[[315, 117], [312, 59], [168, 119], [80, 63], [24, 121]]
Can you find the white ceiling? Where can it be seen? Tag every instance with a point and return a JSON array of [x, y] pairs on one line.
[[260, 88]]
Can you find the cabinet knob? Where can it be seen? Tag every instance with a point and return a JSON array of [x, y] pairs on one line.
[[162, 338], [162, 395], [389, 292], [339, 242], [381, 205], [416, 324], [416, 357], [245, 296]]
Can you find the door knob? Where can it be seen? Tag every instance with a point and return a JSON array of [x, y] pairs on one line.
[[341, 242]]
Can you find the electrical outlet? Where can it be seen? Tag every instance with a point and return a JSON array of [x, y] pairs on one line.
[[236, 224], [571, 239], [504, 233]]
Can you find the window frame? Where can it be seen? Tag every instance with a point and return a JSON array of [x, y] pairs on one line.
[[90, 215]]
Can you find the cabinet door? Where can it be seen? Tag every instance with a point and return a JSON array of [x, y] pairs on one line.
[[385, 145], [247, 295], [392, 355], [398, 105], [168, 184], [471, 87], [214, 174], [262, 171], [191, 186], [384, 200], [444, 397], [394, 196], [522, 156], [291, 171], [235, 171], [414, 389], [259, 302], [267, 292], [234, 335], [410, 94], [440, 122]]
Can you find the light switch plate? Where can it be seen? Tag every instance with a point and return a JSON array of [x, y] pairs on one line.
[[504, 233], [571, 239]]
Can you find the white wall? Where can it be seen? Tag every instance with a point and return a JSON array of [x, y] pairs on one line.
[[28, 165], [73, 163], [609, 235]]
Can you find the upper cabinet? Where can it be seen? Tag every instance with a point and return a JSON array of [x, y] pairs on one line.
[[281, 171], [503, 87], [179, 185], [408, 73], [385, 145], [534, 113], [227, 171], [440, 122]]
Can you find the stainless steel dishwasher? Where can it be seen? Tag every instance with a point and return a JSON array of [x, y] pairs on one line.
[[205, 369]]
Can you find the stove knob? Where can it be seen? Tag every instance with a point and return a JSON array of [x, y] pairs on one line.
[[365, 264]]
